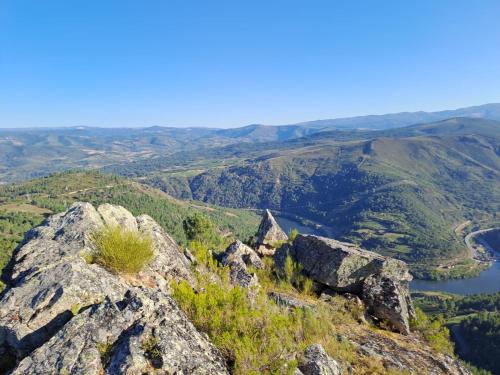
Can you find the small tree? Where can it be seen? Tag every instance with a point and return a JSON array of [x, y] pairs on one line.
[[200, 228]]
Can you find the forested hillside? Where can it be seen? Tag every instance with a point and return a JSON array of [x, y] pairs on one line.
[[23, 206], [474, 322], [401, 193]]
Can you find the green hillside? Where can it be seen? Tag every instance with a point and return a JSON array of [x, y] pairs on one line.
[[24, 205], [401, 193]]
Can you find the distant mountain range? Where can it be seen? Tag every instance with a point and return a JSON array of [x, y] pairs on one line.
[[28, 153]]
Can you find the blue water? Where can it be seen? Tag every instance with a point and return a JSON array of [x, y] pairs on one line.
[[487, 282], [288, 224]]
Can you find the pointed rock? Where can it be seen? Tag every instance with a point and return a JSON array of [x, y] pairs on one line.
[[269, 235]]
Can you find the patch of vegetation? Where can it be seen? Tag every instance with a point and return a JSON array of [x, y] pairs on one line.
[[293, 235], [292, 275], [481, 332], [105, 351], [256, 335], [475, 318], [200, 228], [434, 332], [13, 225], [122, 251], [453, 305]]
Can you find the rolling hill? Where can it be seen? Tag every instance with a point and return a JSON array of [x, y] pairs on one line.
[[25, 205], [400, 192], [31, 153]]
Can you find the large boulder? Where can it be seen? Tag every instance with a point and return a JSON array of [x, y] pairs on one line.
[[238, 257], [269, 235], [61, 313], [317, 362], [381, 282]]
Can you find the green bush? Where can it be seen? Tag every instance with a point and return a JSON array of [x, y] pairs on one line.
[[199, 227], [256, 335], [122, 251], [293, 235], [434, 331], [292, 275]]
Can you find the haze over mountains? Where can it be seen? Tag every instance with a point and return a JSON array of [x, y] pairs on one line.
[[28, 153], [400, 190]]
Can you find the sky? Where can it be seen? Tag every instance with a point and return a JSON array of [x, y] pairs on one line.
[[232, 63]]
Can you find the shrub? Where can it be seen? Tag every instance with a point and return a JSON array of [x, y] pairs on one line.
[[434, 331], [200, 228], [293, 235], [256, 335], [292, 275], [122, 251]]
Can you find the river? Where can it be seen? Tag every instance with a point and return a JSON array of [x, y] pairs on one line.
[[487, 282]]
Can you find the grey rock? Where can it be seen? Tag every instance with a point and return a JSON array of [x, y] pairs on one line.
[[389, 299], [239, 275], [269, 235], [240, 253], [58, 308], [142, 333], [381, 282], [406, 355], [238, 257], [117, 216], [317, 362], [287, 300], [189, 255]]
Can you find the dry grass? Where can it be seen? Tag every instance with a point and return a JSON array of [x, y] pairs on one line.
[[122, 251]]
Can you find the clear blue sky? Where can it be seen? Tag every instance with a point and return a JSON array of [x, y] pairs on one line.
[[231, 63]]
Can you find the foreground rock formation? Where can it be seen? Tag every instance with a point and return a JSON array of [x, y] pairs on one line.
[[61, 314], [381, 282], [269, 235]]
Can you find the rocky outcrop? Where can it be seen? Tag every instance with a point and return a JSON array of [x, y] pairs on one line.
[[238, 257], [144, 333], [62, 314], [381, 282], [317, 362], [269, 235]]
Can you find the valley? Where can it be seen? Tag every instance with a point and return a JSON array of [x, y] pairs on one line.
[[399, 191]]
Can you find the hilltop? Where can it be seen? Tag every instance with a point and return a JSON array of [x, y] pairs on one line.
[[36, 152]]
